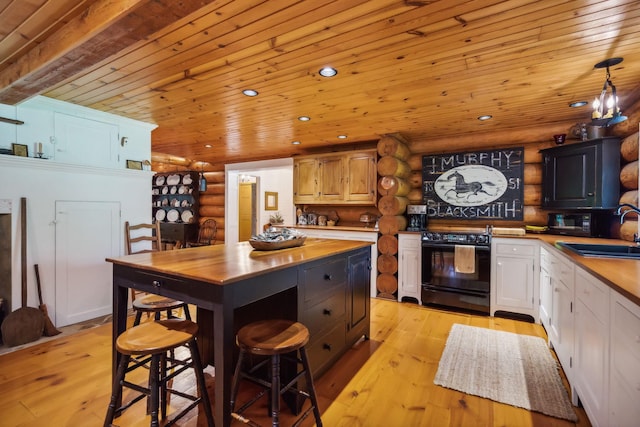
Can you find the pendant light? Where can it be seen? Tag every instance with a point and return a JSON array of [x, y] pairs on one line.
[[613, 114], [203, 180]]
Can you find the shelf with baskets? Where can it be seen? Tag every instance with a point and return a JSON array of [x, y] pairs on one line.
[[175, 197]]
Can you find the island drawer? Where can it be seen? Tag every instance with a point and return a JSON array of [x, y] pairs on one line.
[[325, 348], [326, 313], [320, 280]]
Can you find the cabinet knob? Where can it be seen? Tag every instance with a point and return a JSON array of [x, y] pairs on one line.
[[156, 283], [327, 276], [326, 312], [590, 194], [326, 346]]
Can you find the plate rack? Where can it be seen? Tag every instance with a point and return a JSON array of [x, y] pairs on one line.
[[175, 197]]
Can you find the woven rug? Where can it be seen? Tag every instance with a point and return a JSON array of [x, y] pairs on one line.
[[515, 369]]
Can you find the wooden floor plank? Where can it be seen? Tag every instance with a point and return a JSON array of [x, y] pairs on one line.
[[384, 381]]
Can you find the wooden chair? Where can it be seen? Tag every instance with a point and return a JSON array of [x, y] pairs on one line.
[[154, 340], [274, 338], [206, 234], [135, 238]]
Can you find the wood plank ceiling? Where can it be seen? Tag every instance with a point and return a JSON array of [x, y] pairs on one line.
[[424, 68]]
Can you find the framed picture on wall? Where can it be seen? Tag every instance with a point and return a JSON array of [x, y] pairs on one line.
[[270, 201], [20, 150]]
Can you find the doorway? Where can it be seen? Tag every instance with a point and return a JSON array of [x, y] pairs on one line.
[[246, 210]]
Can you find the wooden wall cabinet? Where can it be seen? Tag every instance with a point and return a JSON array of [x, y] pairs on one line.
[[305, 180], [584, 175], [337, 178]]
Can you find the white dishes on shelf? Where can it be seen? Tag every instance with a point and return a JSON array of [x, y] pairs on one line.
[[165, 190], [160, 180], [185, 203], [186, 216], [160, 214], [186, 180], [173, 215], [182, 189], [173, 180], [173, 190]]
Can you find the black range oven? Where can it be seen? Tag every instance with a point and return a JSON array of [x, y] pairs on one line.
[[448, 284]]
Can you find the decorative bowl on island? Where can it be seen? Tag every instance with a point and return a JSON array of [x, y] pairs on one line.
[[273, 239]]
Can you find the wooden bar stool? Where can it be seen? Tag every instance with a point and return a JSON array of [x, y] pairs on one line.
[[153, 304], [150, 234], [155, 339], [274, 338]]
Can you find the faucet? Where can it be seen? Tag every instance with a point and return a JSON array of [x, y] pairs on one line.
[[631, 209]]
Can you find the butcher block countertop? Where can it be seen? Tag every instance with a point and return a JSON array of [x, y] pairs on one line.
[[222, 264], [623, 275]]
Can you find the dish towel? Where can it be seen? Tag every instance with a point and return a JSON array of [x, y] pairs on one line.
[[465, 259]]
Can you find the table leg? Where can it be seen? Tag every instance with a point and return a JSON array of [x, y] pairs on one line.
[[119, 324], [224, 341]]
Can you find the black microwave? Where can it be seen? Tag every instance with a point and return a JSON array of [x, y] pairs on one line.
[[590, 224]]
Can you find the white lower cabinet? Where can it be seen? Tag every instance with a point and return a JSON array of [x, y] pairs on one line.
[[546, 291], [624, 378], [560, 328], [591, 366], [595, 332], [514, 276], [409, 270]]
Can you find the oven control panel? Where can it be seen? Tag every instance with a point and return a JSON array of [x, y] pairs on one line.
[[456, 238]]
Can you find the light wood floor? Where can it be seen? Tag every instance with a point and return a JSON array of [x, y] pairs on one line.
[[385, 381]]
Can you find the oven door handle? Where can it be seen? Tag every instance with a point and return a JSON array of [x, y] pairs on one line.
[[452, 246]]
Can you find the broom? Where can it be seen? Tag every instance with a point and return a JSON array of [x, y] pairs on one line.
[[49, 328]]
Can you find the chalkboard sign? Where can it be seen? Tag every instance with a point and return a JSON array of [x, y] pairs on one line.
[[475, 185]]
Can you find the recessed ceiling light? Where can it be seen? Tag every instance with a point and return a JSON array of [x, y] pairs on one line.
[[578, 104], [208, 146], [485, 117], [250, 92], [304, 118], [296, 142], [342, 136], [328, 72]]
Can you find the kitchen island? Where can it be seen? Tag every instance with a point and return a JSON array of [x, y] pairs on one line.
[[329, 280]]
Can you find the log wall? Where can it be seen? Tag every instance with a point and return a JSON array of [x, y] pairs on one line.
[[394, 174], [629, 186]]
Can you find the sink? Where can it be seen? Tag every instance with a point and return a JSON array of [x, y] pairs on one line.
[[603, 251]]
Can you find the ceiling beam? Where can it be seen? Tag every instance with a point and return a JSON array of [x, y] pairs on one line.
[[103, 30]]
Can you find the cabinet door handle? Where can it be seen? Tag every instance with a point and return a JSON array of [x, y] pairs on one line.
[[326, 312], [156, 283], [328, 276], [326, 346], [590, 194]]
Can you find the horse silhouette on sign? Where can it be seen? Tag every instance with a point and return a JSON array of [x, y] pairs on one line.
[[469, 188]]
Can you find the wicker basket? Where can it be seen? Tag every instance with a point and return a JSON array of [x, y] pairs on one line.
[[272, 246]]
